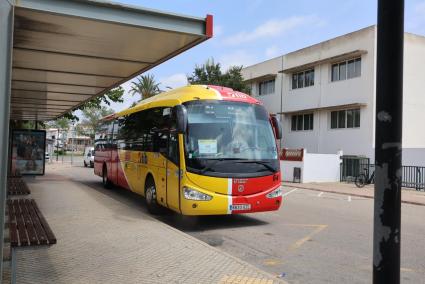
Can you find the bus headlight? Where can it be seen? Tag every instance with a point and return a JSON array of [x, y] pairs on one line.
[[275, 193], [192, 194]]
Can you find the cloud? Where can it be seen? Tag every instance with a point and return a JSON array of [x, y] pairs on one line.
[[173, 81], [272, 28], [237, 57], [272, 51]]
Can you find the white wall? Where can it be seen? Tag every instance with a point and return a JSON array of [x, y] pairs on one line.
[[324, 93], [314, 168], [271, 101], [287, 170], [321, 168], [414, 92]]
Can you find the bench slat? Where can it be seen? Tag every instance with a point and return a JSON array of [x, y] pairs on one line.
[[13, 232], [20, 224], [28, 223], [41, 235], [50, 236]]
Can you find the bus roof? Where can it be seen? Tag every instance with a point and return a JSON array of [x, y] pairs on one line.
[[190, 93]]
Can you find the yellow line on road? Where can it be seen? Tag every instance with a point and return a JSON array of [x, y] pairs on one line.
[[300, 242]]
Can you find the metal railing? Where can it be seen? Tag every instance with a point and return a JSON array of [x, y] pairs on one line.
[[412, 176]]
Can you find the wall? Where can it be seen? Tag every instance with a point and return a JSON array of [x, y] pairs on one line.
[[324, 93], [287, 170], [314, 168], [321, 168], [271, 101], [414, 100]]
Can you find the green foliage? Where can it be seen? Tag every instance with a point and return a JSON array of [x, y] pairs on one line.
[[91, 120], [62, 123], [146, 87], [26, 124], [210, 74], [114, 95]]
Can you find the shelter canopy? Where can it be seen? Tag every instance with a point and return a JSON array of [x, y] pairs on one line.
[[67, 52]]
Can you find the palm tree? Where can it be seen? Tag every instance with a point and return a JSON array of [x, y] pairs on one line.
[[145, 86]]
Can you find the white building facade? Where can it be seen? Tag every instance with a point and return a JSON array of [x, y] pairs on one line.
[[325, 95]]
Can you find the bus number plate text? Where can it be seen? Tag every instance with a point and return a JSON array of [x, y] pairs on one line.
[[237, 207]]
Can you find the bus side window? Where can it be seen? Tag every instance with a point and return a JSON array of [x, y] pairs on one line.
[[173, 148]]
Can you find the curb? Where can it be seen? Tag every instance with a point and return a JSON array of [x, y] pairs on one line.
[[352, 194]]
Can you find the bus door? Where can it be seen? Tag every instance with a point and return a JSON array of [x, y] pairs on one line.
[[173, 172]]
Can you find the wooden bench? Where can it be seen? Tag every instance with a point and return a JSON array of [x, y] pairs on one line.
[[17, 186], [27, 227]]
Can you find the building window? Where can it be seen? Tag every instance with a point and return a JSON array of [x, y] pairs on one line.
[[349, 118], [301, 122], [346, 70], [266, 87], [303, 79]]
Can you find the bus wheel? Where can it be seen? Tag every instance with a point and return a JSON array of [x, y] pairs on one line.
[[150, 196], [105, 181]]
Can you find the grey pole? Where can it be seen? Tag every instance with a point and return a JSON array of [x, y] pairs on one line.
[[6, 34], [388, 142]]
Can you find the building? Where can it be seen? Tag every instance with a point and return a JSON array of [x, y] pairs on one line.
[[325, 95], [68, 139]]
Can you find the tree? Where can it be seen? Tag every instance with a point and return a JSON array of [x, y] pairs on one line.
[[60, 123], [92, 117], [114, 95], [146, 87], [210, 73]]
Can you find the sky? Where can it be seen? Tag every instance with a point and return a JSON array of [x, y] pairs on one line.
[[251, 31]]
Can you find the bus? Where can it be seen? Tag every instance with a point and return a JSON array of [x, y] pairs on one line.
[[197, 150]]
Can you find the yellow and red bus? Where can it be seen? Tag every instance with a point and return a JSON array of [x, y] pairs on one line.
[[197, 150]]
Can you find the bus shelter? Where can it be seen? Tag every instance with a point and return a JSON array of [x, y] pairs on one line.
[[57, 54]]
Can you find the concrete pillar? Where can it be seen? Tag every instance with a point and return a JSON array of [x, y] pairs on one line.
[[6, 33]]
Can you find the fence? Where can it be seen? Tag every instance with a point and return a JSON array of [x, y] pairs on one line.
[[411, 177]]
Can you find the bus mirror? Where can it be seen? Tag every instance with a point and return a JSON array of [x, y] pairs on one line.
[[277, 127], [181, 118]]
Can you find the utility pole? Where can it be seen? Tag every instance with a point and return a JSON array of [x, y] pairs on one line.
[[57, 147], [388, 142]]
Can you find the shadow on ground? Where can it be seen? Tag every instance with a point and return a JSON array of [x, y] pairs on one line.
[[182, 223]]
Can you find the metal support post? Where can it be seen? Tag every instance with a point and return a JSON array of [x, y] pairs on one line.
[[6, 35], [388, 142]]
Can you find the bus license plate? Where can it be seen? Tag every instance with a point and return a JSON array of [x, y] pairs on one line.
[[237, 207]]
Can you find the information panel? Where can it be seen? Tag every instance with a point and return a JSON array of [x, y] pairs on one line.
[[28, 151]]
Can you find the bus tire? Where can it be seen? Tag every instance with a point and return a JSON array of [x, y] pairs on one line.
[[151, 197], [105, 180]]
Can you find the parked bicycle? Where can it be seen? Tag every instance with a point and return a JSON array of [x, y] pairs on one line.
[[363, 179]]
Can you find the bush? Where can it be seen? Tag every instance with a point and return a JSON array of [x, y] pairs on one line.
[[60, 152]]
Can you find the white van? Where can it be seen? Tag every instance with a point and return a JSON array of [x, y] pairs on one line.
[[89, 157]]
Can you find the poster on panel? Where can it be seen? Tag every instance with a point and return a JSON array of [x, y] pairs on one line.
[[28, 151]]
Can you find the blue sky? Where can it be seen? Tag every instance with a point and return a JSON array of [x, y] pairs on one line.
[[251, 31]]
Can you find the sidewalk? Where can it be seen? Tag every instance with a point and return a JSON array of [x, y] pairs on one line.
[[106, 236], [408, 196]]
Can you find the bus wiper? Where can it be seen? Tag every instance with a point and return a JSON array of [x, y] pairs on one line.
[[265, 164], [210, 167]]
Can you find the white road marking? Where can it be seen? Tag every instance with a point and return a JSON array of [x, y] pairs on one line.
[[289, 192], [320, 194], [349, 198]]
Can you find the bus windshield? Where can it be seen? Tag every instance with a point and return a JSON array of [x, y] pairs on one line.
[[229, 139]]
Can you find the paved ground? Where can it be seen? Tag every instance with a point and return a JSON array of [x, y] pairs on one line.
[[106, 236], [408, 195], [316, 237]]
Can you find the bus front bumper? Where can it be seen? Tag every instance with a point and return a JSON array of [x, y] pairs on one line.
[[221, 204]]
